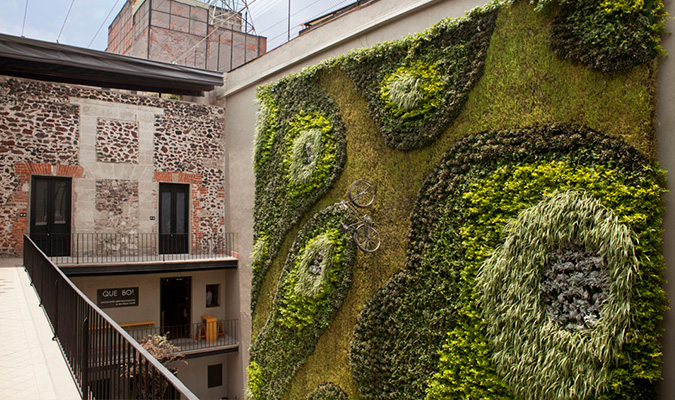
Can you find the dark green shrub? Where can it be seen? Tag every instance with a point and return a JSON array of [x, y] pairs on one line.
[[327, 391], [609, 35]]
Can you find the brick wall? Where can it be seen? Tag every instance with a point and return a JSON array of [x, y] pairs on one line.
[[42, 132]]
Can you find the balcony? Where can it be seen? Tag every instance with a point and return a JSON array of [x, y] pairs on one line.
[[115, 253], [196, 339], [104, 360]]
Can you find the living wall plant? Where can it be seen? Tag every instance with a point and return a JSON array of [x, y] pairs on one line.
[[458, 221], [421, 119], [313, 284], [299, 153]]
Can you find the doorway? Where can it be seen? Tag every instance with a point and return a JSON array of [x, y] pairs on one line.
[[174, 298], [173, 218], [50, 214]]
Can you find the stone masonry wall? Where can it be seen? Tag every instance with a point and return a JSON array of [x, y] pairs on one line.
[[116, 148], [117, 141], [33, 131], [116, 205]]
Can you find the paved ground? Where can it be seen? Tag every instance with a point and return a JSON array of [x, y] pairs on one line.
[[31, 364]]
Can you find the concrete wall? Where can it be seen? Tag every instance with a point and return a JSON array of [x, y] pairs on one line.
[[148, 308], [665, 130], [388, 20], [195, 376]]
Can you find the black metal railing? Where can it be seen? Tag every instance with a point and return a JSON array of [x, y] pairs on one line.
[[100, 248], [105, 361], [204, 335]]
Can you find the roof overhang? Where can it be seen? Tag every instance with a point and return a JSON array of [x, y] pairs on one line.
[[36, 59]]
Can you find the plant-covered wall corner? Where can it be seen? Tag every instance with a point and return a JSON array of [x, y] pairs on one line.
[[451, 325], [532, 267], [608, 35], [314, 282]]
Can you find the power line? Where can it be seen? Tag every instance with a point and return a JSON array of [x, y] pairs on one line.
[[103, 23], [64, 21], [25, 11], [232, 15], [298, 12]]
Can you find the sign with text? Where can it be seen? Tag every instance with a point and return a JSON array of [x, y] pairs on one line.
[[120, 297]]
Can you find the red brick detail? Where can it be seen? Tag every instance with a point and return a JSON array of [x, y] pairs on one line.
[[20, 200], [197, 192]]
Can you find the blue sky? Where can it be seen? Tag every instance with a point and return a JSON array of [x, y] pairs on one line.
[[45, 18]]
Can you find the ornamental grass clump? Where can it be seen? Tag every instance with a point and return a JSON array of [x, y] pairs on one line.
[[412, 90], [305, 154], [535, 355]]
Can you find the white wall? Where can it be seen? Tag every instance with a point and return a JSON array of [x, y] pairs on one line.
[[665, 130]]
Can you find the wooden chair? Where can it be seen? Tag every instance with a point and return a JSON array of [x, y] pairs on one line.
[[221, 330], [201, 332]]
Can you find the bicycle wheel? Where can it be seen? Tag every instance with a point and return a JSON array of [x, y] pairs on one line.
[[367, 238], [361, 193]]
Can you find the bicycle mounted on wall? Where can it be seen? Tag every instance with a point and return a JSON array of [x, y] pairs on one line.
[[361, 195]]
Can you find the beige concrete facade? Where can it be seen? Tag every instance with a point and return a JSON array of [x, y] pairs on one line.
[[195, 376], [84, 189], [665, 130], [194, 372], [148, 308]]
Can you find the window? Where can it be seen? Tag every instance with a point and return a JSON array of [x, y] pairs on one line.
[[212, 295], [215, 375]]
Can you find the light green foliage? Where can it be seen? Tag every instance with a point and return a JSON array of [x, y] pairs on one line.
[[412, 90], [259, 253], [466, 371], [539, 358], [265, 128], [312, 279], [254, 381], [305, 153], [494, 201], [314, 130]]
